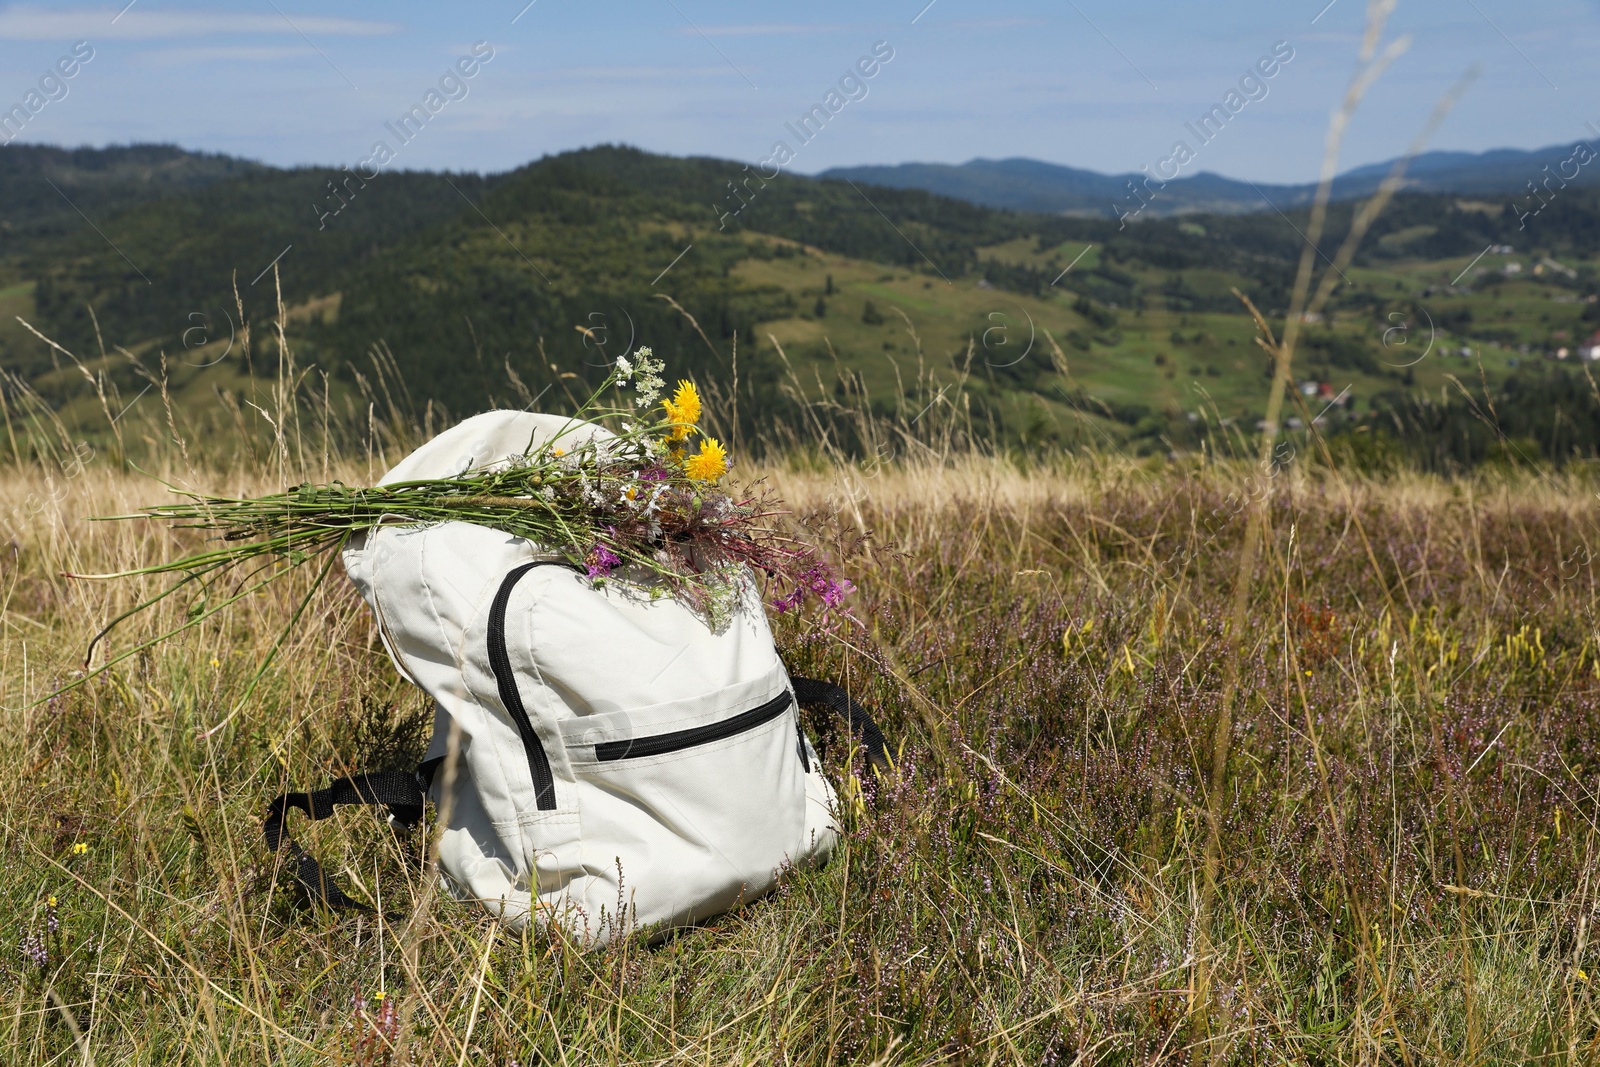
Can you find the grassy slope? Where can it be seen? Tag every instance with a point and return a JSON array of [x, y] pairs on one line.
[[16, 300], [1409, 832], [1217, 353]]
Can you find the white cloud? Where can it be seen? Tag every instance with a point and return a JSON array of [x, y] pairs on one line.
[[177, 57], [665, 75], [766, 30], [995, 24], [137, 23]]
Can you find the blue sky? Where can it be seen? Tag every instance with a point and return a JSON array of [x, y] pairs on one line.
[[1100, 84]]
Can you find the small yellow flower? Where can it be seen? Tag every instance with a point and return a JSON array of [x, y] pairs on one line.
[[379, 995], [79, 849], [683, 410], [52, 900], [710, 463], [1583, 976], [215, 662]]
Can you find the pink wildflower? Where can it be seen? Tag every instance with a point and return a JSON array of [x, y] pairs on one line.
[[820, 581], [602, 561]]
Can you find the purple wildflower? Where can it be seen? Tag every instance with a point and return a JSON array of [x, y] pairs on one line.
[[782, 604], [602, 561], [819, 580], [33, 950]]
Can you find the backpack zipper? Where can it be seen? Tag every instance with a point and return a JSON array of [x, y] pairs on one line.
[[696, 735], [544, 782]]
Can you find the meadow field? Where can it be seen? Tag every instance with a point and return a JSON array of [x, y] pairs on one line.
[[1347, 816], [1217, 739]]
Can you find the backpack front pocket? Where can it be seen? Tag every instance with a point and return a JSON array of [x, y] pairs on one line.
[[700, 802], [694, 736]]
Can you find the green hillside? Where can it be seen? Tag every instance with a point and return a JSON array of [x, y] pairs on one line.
[[46, 188], [475, 287]]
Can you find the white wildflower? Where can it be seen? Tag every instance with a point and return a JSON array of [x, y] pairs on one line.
[[624, 369], [653, 505], [648, 379]]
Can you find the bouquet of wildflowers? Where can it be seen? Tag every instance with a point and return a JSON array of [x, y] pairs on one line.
[[644, 504]]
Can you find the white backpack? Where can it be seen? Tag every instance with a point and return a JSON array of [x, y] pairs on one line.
[[620, 764]]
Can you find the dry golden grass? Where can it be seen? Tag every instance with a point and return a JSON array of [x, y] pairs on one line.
[[1408, 833]]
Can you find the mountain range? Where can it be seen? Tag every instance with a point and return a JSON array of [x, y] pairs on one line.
[[1019, 184]]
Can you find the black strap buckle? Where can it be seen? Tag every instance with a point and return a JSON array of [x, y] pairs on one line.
[[404, 792]]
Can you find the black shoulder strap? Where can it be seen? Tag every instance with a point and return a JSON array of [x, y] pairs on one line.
[[827, 695], [404, 792]]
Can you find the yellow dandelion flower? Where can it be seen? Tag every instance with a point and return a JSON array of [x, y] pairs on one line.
[[683, 410], [710, 463], [52, 901], [687, 400], [79, 849]]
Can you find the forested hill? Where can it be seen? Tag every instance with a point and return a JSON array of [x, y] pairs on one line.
[[45, 188], [463, 277], [417, 257]]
